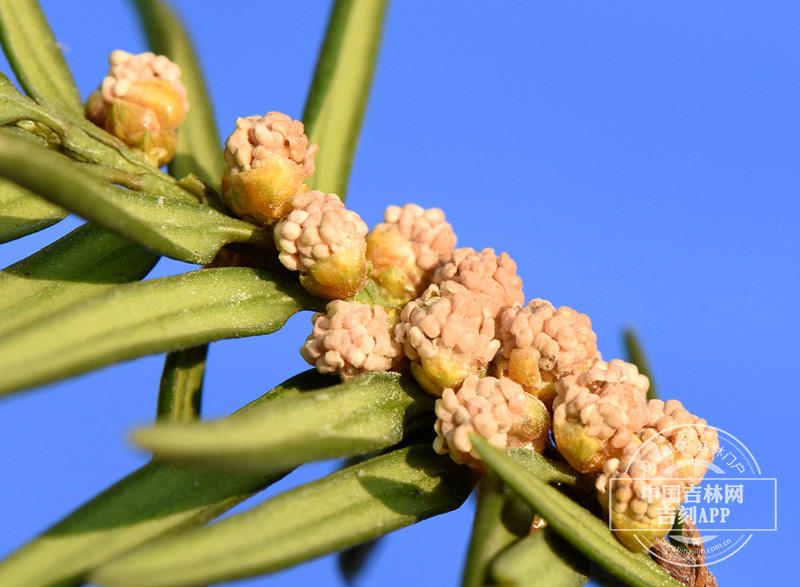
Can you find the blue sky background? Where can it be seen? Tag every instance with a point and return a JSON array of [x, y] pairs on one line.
[[639, 161]]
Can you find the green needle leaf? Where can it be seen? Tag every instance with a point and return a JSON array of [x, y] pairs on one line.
[[490, 534], [541, 559], [35, 56], [338, 97], [364, 414], [575, 524], [23, 213], [154, 316], [346, 508], [636, 355], [82, 264], [184, 230], [352, 560], [502, 517], [546, 470], [199, 150], [182, 385], [156, 500]]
